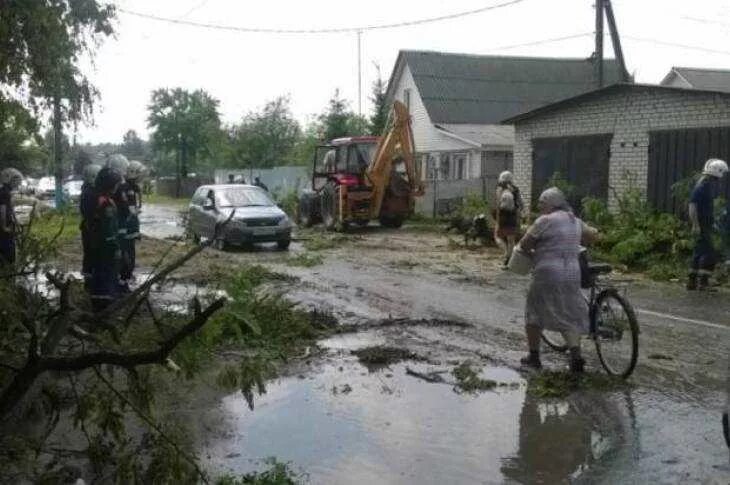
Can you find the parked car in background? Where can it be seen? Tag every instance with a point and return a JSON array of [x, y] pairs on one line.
[[72, 190], [257, 218], [46, 187]]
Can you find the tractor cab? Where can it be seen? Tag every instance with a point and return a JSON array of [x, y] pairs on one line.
[[345, 160]]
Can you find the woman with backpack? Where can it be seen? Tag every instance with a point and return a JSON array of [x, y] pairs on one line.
[[507, 214]]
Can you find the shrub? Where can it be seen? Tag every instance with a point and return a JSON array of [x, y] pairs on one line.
[[474, 205]]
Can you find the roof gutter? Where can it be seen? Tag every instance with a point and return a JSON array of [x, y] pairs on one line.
[[457, 137]]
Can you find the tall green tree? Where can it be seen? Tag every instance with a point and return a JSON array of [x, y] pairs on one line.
[[265, 138], [380, 111], [186, 124], [338, 120], [133, 146], [43, 42]]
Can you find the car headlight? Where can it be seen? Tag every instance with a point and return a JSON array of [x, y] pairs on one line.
[[284, 222]]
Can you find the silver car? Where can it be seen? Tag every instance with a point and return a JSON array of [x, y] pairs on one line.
[[257, 218]]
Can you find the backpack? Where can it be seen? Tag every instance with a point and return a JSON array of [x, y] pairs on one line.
[[507, 201]]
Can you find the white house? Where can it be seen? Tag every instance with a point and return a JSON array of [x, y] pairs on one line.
[[456, 103]]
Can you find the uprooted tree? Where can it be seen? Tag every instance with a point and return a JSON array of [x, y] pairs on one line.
[[57, 356]]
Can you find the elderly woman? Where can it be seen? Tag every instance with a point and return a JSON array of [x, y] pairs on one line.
[[554, 300]]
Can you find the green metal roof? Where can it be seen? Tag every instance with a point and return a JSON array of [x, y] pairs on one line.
[[463, 88]]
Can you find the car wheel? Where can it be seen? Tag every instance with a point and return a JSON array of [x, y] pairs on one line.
[[283, 245]]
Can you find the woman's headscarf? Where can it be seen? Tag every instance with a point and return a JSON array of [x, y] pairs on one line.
[[553, 199]]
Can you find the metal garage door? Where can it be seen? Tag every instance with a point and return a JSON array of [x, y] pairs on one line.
[[581, 160], [676, 154]]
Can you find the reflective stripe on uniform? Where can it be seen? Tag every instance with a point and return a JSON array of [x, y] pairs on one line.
[[132, 235]]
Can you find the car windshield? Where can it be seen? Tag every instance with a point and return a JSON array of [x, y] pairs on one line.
[[242, 197]]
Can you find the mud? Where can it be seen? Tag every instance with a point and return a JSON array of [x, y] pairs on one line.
[[417, 290]]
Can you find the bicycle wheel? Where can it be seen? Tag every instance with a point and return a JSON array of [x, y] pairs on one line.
[[615, 332], [554, 340]]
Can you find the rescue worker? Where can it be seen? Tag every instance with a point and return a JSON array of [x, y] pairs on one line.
[[258, 183], [87, 203], [10, 180], [701, 216], [104, 238], [133, 195], [507, 214], [119, 164]]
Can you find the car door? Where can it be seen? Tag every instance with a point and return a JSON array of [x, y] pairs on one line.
[[209, 216]]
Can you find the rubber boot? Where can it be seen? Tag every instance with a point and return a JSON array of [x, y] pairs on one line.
[[577, 363], [692, 282], [532, 360]]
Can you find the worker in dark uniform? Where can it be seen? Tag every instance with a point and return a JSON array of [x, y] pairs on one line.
[[119, 164], [10, 180], [133, 197], [105, 253], [702, 218], [258, 183], [87, 203]]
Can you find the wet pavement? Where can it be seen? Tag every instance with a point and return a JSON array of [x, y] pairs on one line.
[[341, 423], [161, 221]]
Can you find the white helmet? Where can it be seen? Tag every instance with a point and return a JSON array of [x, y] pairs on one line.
[[118, 163], [715, 167], [505, 177], [135, 170], [90, 172], [11, 176]]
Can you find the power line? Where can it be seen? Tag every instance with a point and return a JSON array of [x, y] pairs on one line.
[[539, 42], [232, 28], [674, 44]]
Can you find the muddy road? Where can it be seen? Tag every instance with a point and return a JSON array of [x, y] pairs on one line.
[[341, 422]]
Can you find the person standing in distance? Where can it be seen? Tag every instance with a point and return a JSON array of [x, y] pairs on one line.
[[508, 214], [133, 195], [104, 238], [119, 164], [10, 180], [702, 219], [87, 202]]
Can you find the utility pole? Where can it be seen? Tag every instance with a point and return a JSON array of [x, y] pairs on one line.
[[58, 151], [359, 72], [598, 54], [617, 51]]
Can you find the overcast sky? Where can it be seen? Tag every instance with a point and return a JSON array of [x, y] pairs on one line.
[[244, 70]]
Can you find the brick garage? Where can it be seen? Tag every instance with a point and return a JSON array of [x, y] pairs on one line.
[[623, 126]]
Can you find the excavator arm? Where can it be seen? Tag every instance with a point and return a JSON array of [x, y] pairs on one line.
[[396, 145]]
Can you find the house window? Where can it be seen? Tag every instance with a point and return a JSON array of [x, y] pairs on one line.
[[445, 170], [458, 161], [431, 167], [407, 99]]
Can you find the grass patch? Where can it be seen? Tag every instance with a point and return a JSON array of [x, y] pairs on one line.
[[380, 355], [562, 384], [468, 380], [305, 260], [48, 224], [165, 200]]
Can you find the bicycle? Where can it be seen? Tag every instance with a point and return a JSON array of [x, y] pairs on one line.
[[612, 324]]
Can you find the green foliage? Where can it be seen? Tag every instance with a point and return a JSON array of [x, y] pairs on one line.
[[379, 115], [640, 237], [474, 205], [287, 200], [278, 473], [186, 124], [338, 120], [468, 380], [267, 138], [305, 260], [44, 44], [552, 384]]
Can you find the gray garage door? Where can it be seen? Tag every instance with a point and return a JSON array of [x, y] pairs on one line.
[[581, 160], [677, 154]]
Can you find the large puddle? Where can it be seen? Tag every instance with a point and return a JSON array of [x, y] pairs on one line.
[[345, 424]]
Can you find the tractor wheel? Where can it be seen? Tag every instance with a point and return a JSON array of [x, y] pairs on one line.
[[304, 211], [330, 212], [393, 222]]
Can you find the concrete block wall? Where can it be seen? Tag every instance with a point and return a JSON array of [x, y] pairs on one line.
[[629, 114]]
